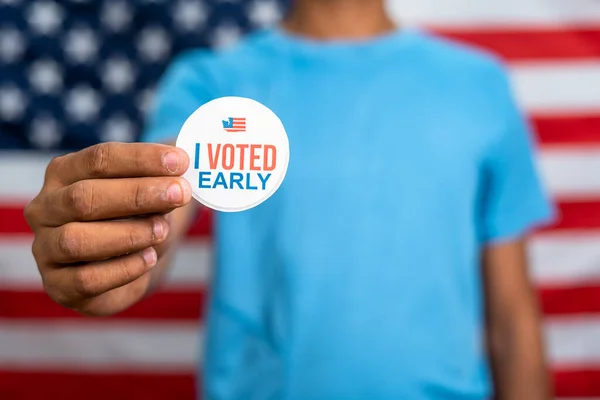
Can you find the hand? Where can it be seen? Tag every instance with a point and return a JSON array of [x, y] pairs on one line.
[[98, 219]]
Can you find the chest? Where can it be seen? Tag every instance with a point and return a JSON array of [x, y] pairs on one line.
[[392, 138], [387, 144]]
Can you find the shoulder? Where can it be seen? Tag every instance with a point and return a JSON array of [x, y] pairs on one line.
[[480, 77], [462, 60]]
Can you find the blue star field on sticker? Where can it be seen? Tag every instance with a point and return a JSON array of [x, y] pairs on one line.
[[78, 72]]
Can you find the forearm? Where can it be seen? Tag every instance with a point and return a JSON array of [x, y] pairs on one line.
[[516, 345], [518, 359]]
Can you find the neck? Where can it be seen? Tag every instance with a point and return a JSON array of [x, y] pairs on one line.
[[338, 19]]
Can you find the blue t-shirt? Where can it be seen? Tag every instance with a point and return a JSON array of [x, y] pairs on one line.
[[360, 278]]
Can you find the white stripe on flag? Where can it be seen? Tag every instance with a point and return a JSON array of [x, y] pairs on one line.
[[566, 172], [489, 13], [177, 346], [557, 259], [191, 268], [573, 342], [557, 87], [562, 259], [98, 346], [22, 175], [571, 173]]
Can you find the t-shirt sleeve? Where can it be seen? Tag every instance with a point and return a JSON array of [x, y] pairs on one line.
[[183, 88], [515, 199]]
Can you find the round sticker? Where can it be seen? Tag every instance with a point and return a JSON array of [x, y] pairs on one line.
[[239, 153]]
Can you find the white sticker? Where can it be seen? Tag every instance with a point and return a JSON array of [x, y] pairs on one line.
[[239, 153]]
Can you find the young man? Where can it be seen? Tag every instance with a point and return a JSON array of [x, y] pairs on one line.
[[391, 262]]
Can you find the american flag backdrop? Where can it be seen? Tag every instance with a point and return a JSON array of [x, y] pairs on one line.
[[75, 72]]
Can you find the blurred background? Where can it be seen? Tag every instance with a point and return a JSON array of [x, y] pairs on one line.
[[77, 72]]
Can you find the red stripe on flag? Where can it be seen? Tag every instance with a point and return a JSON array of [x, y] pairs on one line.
[[573, 215], [12, 221], [18, 385], [577, 215], [570, 300], [75, 386], [202, 226], [189, 305], [533, 44], [181, 305], [165, 305], [567, 129], [42, 385], [577, 382]]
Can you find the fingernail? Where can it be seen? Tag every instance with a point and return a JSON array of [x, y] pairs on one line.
[[186, 188], [158, 230], [171, 162], [149, 256], [175, 193]]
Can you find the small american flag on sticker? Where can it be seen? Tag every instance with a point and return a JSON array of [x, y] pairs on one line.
[[235, 125]]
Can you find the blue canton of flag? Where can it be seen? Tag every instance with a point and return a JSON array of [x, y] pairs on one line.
[[75, 73]]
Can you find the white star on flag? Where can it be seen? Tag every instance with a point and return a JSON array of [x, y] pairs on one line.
[[45, 76], [264, 13], [154, 44], [12, 103], [118, 75], [118, 129], [226, 35], [116, 16], [45, 17], [45, 132], [189, 15], [82, 103], [81, 45], [12, 45], [145, 100]]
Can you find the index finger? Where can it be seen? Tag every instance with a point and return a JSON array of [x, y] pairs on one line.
[[119, 160]]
